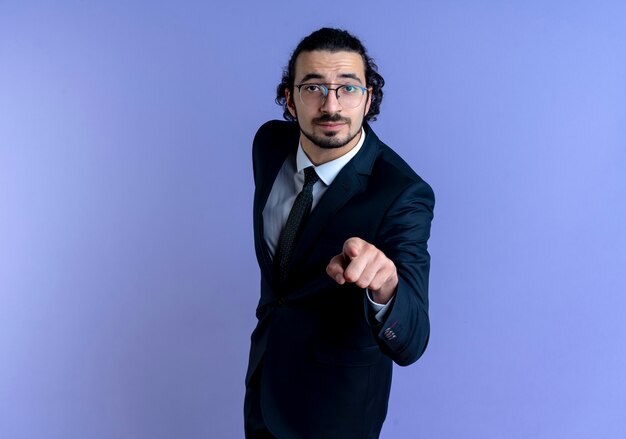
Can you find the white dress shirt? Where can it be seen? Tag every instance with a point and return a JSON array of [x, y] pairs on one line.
[[287, 186]]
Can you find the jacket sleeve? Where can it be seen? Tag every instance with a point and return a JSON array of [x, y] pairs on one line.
[[403, 236]]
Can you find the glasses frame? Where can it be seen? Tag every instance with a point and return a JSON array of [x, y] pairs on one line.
[[326, 89]]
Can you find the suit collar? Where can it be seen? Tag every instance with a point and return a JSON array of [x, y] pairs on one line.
[[363, 162]]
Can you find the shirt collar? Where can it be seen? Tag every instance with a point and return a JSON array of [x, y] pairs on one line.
[[329, 170]]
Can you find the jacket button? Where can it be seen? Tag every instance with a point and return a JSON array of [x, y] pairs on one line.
[[281, 301]]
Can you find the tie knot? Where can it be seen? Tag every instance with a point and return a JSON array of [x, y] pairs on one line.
[[310, 176]]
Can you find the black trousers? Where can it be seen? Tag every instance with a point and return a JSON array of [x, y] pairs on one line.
[[254, 424]]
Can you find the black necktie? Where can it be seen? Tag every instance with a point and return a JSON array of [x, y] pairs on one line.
[[299, 211]]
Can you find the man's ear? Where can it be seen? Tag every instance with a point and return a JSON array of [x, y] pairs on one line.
[[290, 105]]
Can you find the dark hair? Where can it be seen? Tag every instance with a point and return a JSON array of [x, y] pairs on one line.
[[332, 40]]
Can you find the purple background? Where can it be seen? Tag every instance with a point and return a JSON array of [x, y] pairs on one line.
[[128, 279]]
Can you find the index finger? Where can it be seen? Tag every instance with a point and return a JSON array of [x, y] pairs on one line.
[[352, 247]]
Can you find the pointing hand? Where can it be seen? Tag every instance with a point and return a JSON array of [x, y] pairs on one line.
[[363, 264]]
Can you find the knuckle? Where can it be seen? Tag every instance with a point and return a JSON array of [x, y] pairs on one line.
[[386, 268], [365, 281]]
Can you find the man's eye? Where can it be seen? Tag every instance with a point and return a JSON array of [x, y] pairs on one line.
[[350, 88], [312, 88]]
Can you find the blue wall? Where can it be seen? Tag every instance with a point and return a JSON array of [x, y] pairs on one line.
[[127, 274]]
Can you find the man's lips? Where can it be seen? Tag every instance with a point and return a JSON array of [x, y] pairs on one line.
[[331, 125]]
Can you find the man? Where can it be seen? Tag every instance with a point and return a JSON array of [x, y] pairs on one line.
[[341, 225]]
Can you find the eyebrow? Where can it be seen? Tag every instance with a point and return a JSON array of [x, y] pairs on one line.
[[351, 76], [309, 76]]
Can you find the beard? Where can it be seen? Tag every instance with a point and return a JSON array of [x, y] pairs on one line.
[[330, 140]]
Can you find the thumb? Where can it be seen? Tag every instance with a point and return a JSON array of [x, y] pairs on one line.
[[335, 268]]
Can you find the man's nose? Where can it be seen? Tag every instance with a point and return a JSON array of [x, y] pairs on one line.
[[331, 104]]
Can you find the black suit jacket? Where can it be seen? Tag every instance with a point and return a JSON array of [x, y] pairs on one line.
[[326, 362]]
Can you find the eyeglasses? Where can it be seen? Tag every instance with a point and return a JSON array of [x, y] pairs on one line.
[[348, 95]]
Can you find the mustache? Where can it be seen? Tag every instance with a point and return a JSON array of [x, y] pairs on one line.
[[331, 118]]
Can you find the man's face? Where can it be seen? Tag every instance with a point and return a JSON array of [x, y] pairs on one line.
[[329, 125]]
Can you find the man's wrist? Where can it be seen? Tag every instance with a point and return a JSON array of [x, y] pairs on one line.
[[379, 310], [379, 298], [386, 293]]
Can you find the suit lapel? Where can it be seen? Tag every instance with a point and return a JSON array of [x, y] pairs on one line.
[[268, 163]]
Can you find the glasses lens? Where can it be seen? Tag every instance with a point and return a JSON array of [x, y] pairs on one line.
[[312, 95], [350, 96]]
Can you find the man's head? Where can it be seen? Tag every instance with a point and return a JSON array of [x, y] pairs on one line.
[[324, 61]]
